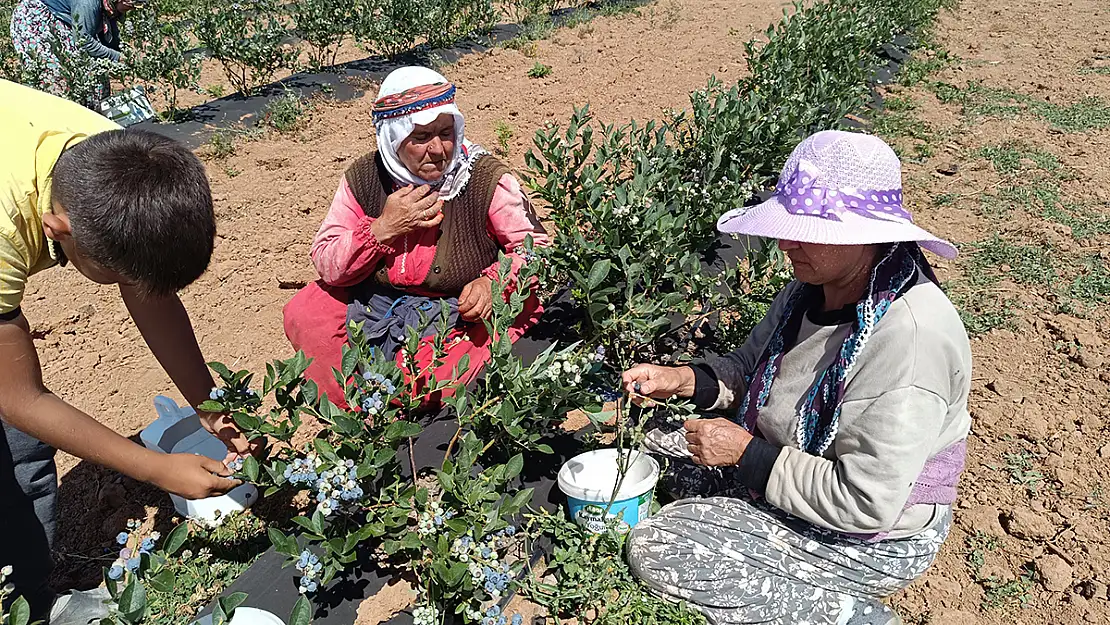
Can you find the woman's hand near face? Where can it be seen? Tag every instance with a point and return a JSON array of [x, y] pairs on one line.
[[658, 382], [716, 442], [408, 209]]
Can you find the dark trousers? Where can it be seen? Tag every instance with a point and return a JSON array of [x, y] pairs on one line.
[[29, 492]]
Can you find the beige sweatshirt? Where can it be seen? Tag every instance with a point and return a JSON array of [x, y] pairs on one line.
[[904, 401]]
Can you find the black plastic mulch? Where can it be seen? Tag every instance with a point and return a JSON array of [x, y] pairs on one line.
[[341, 82]]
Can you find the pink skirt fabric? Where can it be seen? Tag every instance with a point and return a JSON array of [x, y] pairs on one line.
[[315, 323]]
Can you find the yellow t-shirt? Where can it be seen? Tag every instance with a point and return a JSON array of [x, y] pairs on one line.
[[35, 128]]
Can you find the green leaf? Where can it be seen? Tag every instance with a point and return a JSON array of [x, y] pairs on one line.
[[302, 612], [132, 601], [446, 480], [304, 522], [231, 602], [221, 370], [250, 468], [20, 612], [350, 361], [514, 466], [598, 273], [176, 538], [402, 429], [325, 449], [283, 544], [211, 406], [247, 422], [163, 582], [545, 449]]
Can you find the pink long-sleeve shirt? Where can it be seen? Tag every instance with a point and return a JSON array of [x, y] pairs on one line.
[[345, 250]]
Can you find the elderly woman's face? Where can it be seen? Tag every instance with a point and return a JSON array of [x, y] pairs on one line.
[[821, 264], [427, 151]]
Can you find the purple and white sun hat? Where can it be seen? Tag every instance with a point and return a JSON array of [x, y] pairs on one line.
[[837, 188]]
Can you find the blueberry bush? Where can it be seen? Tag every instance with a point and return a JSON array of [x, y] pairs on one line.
[[154, 46], [248, 38]]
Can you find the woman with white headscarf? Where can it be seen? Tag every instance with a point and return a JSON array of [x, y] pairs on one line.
[[415, 224]]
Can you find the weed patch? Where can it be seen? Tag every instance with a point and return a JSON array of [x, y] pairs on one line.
[[1092, 286], [210, 560], [977, 100], [504, 134], [1084, 222], [285, 112], [539, 70], [221, 145], [1024, 264]]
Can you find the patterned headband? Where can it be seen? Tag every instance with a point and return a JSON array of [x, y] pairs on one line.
[[412, 100]]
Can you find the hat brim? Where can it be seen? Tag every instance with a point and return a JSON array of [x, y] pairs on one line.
[[771, 220]]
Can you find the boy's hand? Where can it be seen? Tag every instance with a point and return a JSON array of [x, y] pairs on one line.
[[192, 476], [223, 427]]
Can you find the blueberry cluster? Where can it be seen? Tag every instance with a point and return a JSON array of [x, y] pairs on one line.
[[380, 389], [218, 394], [432, 519], [494, 616], [235, 465], [426, 614], [333, 486], [487, 570], [310, 568], [130, 558], [563, 368]]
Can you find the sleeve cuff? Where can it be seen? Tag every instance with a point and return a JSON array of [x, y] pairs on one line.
[[11, 315], [372, 241], [706, 386], [754, 470]]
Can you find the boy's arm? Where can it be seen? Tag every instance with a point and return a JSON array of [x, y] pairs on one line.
[[166, 328], [28, 406]]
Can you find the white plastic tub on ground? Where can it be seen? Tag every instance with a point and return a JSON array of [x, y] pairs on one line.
[[178, 431], [588, 481]]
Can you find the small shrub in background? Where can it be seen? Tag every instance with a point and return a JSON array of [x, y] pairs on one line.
[[388, 27], [246, 38], [446, 22], [324, 25], [154, 52]]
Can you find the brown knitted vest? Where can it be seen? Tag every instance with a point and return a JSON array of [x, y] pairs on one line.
[[464, 247]]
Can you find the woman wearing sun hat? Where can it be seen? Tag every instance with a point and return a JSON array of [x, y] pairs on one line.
[[831, 482]]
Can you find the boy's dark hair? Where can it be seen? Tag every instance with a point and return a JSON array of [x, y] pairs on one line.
[[138, 204]]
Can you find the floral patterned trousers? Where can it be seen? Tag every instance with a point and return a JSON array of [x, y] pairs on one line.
[[743, 561]]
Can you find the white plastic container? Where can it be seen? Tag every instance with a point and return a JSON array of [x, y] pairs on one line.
[[178, 431], [245, 616], [588, 480]]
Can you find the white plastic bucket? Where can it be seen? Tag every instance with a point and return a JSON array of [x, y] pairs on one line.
[[178, 431], [245, 616], [588, 480]]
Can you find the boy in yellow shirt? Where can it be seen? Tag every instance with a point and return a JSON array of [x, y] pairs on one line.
[[124, 207]]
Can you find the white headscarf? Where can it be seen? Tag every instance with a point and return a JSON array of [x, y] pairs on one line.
[[392, 131]]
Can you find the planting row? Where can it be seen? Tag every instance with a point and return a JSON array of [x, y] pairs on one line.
[[159, 43]]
